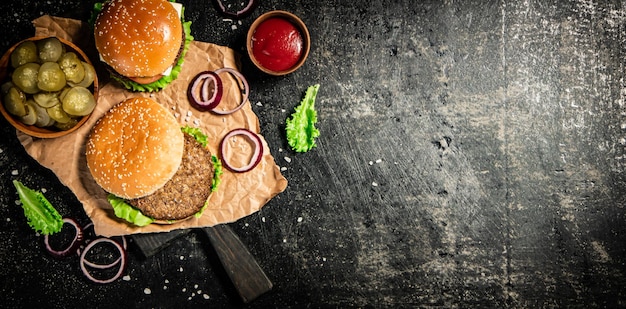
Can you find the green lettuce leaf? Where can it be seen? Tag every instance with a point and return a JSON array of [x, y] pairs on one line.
[[41, 215], [301, 131], [197, 134], [127, 212]]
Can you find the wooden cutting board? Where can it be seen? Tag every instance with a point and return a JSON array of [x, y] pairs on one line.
[[243, 270]]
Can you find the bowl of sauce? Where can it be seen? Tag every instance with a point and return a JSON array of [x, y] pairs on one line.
[[278, 43]]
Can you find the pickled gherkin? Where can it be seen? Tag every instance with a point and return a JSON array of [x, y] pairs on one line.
[[31, 115], [72, 67], [50, 77], [24, 53], [58, 114], [79, 101], [25, 77], [50, 49], [48, 85], [47, 99], [90, 76], [14, 102]]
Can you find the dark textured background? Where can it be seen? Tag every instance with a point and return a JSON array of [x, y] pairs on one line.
[[471, 155]]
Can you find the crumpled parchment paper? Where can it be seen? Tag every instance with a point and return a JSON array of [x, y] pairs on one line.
[[239, 194]]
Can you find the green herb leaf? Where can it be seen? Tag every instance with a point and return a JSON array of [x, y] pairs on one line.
[[41, 215], [301, 131], [127, 212]]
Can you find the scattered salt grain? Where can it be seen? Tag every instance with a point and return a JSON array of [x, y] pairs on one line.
[[165, 287], [263, 219], [182, 257], [8, 219], [195, 286], [234, 27], [300, 219], [44, 190], [166, 281], [374, 184], [180, 269], [282, 168], [206, 296], [18, 202], [379, 161], [283, 110], [1, 151], [284, 239], [184, 290], [259, 104], [147, 291], [14, 172], [126, 278], [288, 159]]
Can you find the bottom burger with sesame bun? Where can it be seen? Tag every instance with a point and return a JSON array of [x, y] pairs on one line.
[[154, 170]]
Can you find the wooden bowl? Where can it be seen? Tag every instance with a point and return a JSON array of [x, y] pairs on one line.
[[294, 20], [41, 132]]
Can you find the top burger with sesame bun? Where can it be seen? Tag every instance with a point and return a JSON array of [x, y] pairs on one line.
[[142, 43], [154, 170]]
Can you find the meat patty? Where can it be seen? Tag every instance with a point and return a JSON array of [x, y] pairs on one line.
[[187, 191]]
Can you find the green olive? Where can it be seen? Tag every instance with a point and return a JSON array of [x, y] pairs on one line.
[[78, 101], [67, 125], [72, 67], [50, 49], [90, 74], [25, 77], [50, 77], [14, 102], [31, 115], [46, 99], [58, 114], [24, 53]]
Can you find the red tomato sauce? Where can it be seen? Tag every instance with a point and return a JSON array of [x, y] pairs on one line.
[[277, 44]]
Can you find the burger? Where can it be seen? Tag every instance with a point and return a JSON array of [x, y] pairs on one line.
[[154, 170], [142, 43]]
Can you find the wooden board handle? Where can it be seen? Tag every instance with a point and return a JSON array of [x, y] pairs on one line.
[[240, 265]]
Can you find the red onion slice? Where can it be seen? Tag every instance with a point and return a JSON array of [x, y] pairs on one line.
[[121, 261], [256, 156], [198, 91], [245, 91], [239, 14], [72, 246]]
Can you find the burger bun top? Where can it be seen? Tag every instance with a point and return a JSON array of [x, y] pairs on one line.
[[135, 148], [138, 38]]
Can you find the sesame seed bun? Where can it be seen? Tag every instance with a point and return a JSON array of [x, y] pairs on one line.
[[138, 38], [135, 148]]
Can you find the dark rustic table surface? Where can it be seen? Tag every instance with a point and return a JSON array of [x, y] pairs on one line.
[[472, 154]]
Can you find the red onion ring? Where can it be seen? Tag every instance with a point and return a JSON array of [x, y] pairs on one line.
[[239, 14], [256, 157], [245, 91], [74, 244], [122, 261], [198, 91]]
